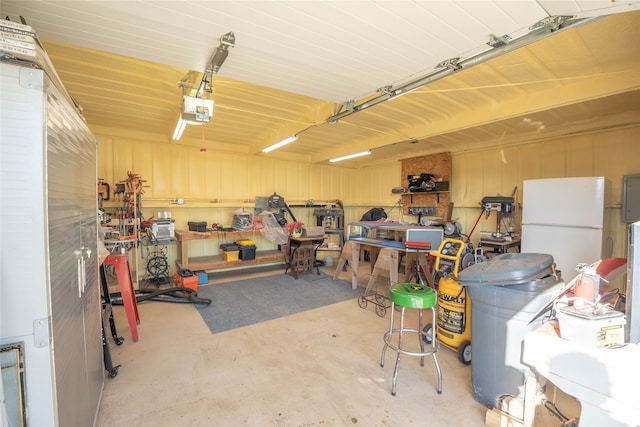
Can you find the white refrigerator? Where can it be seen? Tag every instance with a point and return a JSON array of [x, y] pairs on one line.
[[563, 217]]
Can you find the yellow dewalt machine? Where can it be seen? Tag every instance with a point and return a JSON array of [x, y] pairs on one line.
[[454, 304]]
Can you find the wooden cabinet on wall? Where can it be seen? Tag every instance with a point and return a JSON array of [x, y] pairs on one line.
[[438, 165]]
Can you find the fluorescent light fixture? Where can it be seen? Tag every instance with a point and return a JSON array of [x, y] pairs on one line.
[[351, 156], [177, 134], [280, 144], [195, 111]]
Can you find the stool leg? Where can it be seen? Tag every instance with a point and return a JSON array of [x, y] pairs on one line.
[[420, 322], [387, 335], [434, 349], [395, 371]]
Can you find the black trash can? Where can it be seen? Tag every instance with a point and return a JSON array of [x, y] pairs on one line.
[[506, 291]]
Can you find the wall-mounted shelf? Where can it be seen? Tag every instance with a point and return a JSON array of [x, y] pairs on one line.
[[437, 194], [439, 165]]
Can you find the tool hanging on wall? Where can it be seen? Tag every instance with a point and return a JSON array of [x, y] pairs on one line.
[[104, 192], [277, 202], [129, 215]]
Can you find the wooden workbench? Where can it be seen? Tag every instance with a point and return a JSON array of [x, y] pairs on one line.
[[216, 262]]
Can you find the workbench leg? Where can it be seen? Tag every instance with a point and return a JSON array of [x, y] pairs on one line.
[[355, 261], [183, 254], [345, 254], [387, 260]]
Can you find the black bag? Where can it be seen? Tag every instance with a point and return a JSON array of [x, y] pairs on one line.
[[374, 214]]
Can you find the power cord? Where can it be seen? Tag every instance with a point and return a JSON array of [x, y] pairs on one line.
[[553, 410], [174, 295]]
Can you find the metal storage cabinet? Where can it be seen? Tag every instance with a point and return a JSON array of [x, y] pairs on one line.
[[49, 288]]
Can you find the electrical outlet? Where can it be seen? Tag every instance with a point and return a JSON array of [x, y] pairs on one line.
[[422, 210]]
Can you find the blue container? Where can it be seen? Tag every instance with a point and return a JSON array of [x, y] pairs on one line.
[[203, 277]]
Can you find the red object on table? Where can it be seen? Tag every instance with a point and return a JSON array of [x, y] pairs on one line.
[[123, 274]]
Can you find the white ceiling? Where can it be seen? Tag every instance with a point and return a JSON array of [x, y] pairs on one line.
[[296, 63], [330, 50]]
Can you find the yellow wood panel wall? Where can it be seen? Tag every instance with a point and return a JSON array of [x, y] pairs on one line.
[[217, 183], [608, 153], [373, 185]]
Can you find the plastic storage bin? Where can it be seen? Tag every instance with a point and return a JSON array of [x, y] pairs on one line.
[[246, 242], [230, 251], [247, 252], [200, 226], [203, 277]]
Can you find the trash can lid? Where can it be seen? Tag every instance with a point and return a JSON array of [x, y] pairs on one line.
[[508, 269]]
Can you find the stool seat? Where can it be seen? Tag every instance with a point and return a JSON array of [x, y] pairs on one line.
[[412, 295]]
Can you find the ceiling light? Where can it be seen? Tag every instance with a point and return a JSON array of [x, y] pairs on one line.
[[177, 134], [351, 156], [195, 111], [280, 144]]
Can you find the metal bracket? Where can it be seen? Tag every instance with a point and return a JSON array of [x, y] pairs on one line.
[[451, 63], [31, 78], [498, 41], [385, 90], [349, 105], [41, 337], [553, 23]]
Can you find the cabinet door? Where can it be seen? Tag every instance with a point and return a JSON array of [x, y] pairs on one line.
[[75, 304]]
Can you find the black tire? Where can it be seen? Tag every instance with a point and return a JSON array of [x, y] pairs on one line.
[[464, 353], [427, 333]]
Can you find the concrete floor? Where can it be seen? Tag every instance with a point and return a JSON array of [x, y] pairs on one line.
[[317, 368]]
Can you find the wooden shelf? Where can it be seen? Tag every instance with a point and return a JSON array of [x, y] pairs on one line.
[[215, 262], [183, 235], [439, 165], [425, 193]]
